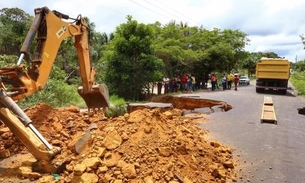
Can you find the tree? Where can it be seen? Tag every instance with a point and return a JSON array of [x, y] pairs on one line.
[[249, 63], [131, 64], [270, 55], [198, 51], [235, 40], [14, 25], [174, 48], [299, 66], [216, 50]]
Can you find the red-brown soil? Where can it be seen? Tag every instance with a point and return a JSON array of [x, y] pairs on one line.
[[146, 145]]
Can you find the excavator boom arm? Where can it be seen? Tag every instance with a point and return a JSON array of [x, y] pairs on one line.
[[50, 30], [24, 80]]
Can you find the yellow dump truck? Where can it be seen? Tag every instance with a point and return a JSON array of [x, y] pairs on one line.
[[272, 74]]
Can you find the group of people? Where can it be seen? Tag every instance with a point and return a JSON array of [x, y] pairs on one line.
[[185, 83], [226, 81]]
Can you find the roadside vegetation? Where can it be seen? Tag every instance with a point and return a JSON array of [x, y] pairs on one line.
[[298, 81], [298, 77], [117, 107], [132, 57]]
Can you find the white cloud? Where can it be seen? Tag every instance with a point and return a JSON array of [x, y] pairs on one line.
[[285, 46], [273, 25]]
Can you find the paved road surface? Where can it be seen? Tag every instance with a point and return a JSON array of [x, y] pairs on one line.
[[267, 152]]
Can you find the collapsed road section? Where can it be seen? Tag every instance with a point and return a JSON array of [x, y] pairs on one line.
[[184, 103]]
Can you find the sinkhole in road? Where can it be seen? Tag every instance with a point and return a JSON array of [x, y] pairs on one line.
[[189, 104]]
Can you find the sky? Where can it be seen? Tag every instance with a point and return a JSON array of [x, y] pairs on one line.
[[271, 25]]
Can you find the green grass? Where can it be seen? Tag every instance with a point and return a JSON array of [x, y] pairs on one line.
[[117, 107], [298, 81]]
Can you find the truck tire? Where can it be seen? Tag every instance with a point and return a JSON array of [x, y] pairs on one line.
[[258, 90], [283, 92]]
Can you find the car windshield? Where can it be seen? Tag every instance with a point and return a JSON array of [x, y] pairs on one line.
[[244, 77]]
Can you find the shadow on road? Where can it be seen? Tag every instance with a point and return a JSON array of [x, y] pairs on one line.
[[290, 93]]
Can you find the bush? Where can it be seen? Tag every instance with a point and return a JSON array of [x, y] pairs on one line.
[[8, 60], [298, 81], [56, 93], [117, 107]]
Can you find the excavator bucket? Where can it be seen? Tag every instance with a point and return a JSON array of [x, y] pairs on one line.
[[98, 97]]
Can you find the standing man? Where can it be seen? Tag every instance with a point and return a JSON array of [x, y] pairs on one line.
[[193, 82], [159, 86], [213, 82], [224, 82], [166, 85], [189, 84], [230, 80], [236, 79], [184, 83]]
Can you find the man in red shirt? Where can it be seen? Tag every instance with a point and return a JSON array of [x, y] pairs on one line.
[[236, 79], [213, 82], [184, 82]]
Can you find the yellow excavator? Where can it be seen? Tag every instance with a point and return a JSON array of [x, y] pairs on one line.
[[49, 29]]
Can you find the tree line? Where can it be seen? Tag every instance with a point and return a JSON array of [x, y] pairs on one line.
[[137, 54]]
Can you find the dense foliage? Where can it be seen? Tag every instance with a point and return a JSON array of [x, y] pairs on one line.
[[198, 51], [298, 77], [117, 107], [14, 25], [249, 63], [298, 66], [131, 64], [298, 81]]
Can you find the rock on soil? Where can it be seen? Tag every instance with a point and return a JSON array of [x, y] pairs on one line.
[[147, 145]]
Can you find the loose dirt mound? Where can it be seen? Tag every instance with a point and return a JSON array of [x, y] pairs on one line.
[[143, 146]]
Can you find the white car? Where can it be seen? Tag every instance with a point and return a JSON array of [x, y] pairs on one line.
[[244, 80]]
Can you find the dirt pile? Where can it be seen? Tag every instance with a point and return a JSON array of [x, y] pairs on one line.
[[147, 145]]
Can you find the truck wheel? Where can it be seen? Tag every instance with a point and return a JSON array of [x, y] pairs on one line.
[[283, 92], [259, 90]]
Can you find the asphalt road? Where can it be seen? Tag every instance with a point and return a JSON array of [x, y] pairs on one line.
[[266, 152]]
